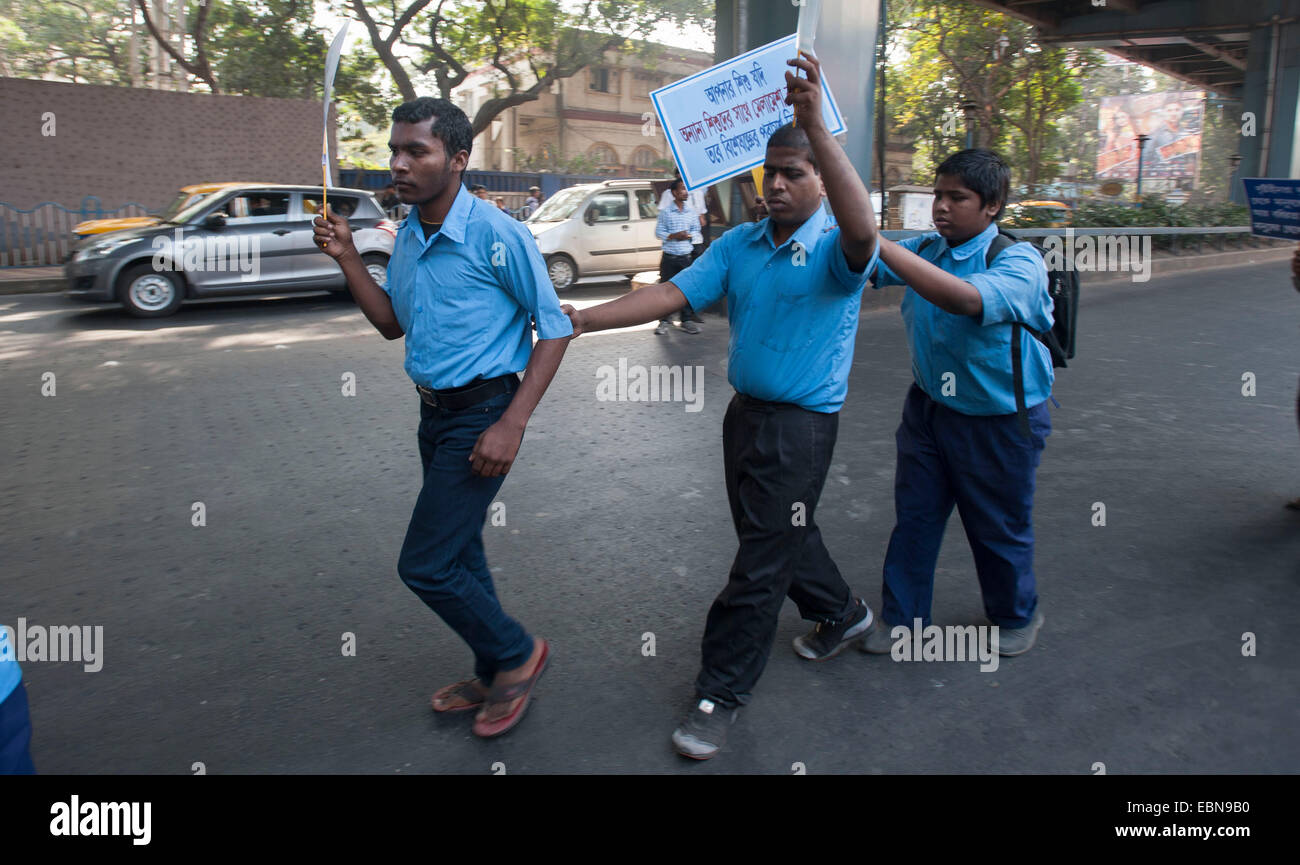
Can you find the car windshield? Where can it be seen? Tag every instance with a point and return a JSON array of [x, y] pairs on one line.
[[561, 205], [191, 208], [182, 201]]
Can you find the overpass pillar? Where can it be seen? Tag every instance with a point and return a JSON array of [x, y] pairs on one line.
[[1273, 63]]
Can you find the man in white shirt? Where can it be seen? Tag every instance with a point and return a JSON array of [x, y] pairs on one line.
[[678, 226]]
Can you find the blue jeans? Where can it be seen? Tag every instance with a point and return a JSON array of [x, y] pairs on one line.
[[15, 734], [986, 467], [442, 558]]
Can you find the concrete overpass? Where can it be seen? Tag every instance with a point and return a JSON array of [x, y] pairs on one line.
[[1248, 50], [1240, 49]]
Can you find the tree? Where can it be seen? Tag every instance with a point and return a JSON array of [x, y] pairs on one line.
[[531, 43], [86, 41], [1015, 87]]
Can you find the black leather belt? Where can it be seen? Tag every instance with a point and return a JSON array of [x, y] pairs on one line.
[[457, 398]]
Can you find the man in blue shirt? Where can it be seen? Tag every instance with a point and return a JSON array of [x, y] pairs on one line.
[[15, 721], [677, 227], [960, 441], [463, 283], [793, 284]]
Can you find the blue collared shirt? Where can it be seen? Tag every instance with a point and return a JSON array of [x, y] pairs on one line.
[[10, 674], [672, 220], [464, 295], [793, 310], [964, 362]]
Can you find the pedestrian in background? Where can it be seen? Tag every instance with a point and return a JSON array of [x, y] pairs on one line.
[[677, 227], [533, 201]]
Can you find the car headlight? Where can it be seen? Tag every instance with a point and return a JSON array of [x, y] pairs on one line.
[[103, 248]]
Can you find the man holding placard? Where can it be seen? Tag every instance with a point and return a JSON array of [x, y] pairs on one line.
[[793, 284]]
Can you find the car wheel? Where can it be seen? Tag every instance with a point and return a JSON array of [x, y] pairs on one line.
[[150, 293], [377, 266], [562, 271]]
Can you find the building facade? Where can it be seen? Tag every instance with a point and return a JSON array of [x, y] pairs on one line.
[[599, 121]]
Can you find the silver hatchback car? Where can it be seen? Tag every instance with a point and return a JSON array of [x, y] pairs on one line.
[[248, 239]]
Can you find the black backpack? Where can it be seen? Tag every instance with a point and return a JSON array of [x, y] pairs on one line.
[[1063, 286]]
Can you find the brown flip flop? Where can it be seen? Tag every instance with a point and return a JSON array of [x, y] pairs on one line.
[[508, 693], [470, 690]]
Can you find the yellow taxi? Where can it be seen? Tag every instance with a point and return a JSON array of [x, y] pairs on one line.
[[1044, 214], [188, 195]]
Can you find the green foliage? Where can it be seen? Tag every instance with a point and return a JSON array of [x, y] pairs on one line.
[[529, 43], [84, 42], [945, 53]]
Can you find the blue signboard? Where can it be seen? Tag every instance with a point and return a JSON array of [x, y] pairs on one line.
[[1274, 207]]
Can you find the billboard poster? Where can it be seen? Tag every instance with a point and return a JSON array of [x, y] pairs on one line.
[[1173, 122]]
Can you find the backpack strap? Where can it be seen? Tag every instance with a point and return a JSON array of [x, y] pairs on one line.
[[1000, 243]]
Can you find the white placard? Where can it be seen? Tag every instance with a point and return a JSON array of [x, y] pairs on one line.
[[718, 121]]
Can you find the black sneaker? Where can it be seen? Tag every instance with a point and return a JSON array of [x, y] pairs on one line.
[[828, 640], [704, 730]]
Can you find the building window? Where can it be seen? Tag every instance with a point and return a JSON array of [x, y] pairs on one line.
[[603, 154], [644, 158], [643, 83], [604, 80]]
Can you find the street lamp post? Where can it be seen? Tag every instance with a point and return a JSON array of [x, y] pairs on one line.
[[968, 108], [1142, 146]]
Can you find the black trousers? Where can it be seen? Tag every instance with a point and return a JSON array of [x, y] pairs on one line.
[[670, 266], [777, 456]]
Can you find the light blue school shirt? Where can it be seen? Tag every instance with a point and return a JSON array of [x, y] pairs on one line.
[[793, 310], [465, 294], [10, 674], [977, 351]]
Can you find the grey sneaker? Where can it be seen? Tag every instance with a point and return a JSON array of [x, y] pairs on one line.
[[662, 328], [1017, 641], [704, 730], [879, 641], [827, 640], [690, 326]]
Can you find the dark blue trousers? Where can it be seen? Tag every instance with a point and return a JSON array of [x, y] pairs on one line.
[[985, 466], [442, 558], [15, 734]]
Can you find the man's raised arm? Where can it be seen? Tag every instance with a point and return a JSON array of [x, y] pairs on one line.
[[850, 201]]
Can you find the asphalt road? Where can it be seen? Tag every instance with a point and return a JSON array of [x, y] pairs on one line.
[[222, 642]]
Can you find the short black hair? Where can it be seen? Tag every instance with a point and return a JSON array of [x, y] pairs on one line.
[[983, 172], [450, 125], [796, 139], [678, 182]]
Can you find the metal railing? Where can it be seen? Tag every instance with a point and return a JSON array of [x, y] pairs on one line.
[[42, 235], [1223, 233]]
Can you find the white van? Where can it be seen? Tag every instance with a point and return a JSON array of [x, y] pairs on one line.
[[598, 229]]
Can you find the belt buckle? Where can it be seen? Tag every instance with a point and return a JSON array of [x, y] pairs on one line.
[[427, 395]]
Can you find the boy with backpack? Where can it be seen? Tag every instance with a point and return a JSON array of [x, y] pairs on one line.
[[979, 317]]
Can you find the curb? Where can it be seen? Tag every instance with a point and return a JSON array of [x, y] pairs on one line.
[[31, 286]]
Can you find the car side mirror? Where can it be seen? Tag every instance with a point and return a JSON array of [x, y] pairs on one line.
[[590, 216], [215, 220]]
